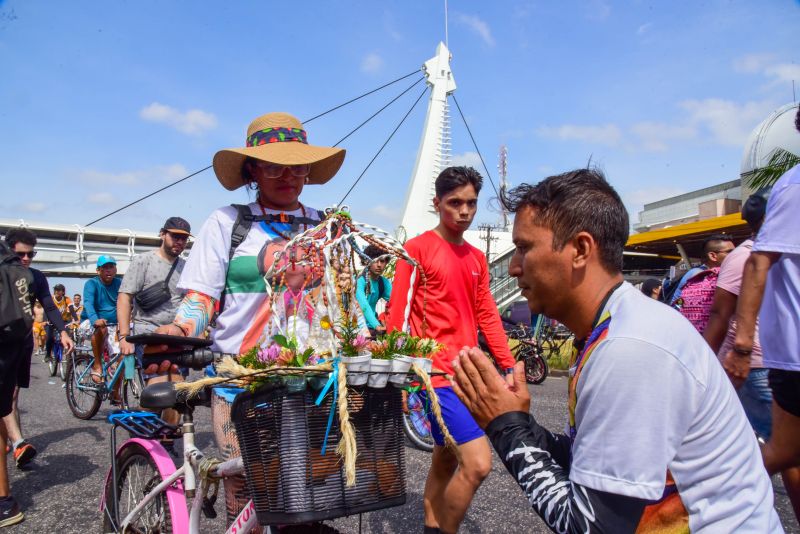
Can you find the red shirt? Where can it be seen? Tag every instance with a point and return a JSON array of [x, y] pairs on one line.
[[457, 298]]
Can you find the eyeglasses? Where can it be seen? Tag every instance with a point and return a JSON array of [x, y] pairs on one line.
[[31, 254], [272, 170], [178, 237]]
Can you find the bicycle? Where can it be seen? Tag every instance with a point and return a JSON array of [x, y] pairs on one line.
[[416, 425], [56, 362], [84, 395], [144, 491], [528, 350]]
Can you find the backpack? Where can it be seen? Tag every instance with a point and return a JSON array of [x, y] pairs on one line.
[[16, 297], [697, 296], [245, 219]]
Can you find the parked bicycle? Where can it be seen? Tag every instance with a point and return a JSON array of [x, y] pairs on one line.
[[144, 491], [120, 375]]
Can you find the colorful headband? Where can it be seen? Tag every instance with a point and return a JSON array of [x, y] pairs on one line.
[[276, 135]]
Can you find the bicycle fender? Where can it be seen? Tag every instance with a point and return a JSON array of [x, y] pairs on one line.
[[165, 466]]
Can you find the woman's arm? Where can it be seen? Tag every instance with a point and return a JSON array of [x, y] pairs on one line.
[[193, 316]]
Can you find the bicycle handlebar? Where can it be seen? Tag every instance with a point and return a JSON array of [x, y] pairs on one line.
[[196, 359]]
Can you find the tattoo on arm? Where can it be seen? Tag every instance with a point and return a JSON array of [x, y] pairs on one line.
[[194, 313]]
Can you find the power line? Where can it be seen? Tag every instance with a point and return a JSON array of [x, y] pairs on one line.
[[360, 97], [383, 146], [485, 168]]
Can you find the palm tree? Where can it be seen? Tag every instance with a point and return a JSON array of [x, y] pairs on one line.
[[779, 162]]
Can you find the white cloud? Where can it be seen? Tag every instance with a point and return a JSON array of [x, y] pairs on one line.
[[467, 159], [160, 173], [608, 134], [386, 212], [654, 136], [101, 198], [728, 122], [191, 122], [644, 28], [752, 63], [635, 200], [768, 66], [34, 207], [478, 26], [371, 63]]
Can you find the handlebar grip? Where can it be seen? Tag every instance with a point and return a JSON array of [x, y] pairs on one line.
[[196, 359]]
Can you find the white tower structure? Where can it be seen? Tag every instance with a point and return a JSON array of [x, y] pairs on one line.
[[434, 148]]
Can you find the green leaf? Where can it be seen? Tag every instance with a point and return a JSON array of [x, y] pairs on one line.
[[281, 341], [780, 161]]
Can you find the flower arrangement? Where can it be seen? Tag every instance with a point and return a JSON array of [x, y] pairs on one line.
[[427, 347], [381, 349], [351, 341]]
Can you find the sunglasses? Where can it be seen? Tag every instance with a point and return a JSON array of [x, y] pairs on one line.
[[272, 170], [31, 254], [178, 237]]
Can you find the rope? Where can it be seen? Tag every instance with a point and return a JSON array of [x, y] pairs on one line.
[[207, 480], [360, 97], [383, 146], [485, 168], [435, 406], [347, 448]]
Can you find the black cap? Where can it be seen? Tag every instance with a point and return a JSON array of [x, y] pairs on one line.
[[177, 225], [755, 207]]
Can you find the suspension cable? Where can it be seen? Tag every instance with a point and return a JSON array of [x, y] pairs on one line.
[[485, 168], [360, 97], [383, 146], [307, 121], [147, 196], [410, 87]]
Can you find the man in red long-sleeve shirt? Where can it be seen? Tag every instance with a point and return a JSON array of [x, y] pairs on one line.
[[457, 302]]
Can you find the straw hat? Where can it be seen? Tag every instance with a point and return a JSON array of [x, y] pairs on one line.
[[277, 138]]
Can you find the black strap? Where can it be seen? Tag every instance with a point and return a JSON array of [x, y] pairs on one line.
[[171, 270], [381, 287]]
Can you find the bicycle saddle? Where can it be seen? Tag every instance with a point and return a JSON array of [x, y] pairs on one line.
[[163, 395]]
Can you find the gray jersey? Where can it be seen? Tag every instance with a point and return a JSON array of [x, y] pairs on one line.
[[144, 271]]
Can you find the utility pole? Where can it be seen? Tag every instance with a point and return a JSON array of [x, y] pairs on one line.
[[486, 235], [502, 168]]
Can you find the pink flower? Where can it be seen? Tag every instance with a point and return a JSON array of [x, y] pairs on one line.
[[359, 342], [269, 355]]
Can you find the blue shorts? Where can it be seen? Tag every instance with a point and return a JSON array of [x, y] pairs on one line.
[[459, 421]]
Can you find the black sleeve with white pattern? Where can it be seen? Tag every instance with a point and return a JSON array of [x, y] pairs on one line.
[[539, 461]]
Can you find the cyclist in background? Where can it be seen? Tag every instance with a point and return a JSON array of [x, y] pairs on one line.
[[371, 287], [63, 304], [100, 308]]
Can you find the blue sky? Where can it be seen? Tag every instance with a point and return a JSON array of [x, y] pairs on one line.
[[102, 102]]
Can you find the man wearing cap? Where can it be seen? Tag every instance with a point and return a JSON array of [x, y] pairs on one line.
[[100, 308], [160, 268]]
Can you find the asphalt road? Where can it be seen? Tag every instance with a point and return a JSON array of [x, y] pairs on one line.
[[60, 490]]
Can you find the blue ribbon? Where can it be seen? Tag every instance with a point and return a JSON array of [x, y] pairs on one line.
[[332, 380]]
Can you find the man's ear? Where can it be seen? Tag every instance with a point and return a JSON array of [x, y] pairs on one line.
[[436, 202], [584, 248]]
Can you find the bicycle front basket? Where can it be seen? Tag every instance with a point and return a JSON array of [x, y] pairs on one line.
[[281, 436]]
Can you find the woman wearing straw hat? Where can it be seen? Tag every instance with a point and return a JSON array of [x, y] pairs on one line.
[[277, 162]]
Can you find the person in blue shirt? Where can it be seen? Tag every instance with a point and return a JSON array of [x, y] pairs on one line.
[[372, 286], [100, 308]]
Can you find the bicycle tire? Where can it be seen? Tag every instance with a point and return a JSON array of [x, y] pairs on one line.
[[62, 370], [52, 361], [90, 400], [132, 391], [536, 368], [137, 475], [415, 423]]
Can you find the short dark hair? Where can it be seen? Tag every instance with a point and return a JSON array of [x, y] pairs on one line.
[[714, 238], [797, 119], [76, 295], [576, 201], [374, 251], [452, 178], [59, 287], [20, 235]]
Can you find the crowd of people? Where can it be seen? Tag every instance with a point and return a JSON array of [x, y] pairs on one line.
[[681, 402]]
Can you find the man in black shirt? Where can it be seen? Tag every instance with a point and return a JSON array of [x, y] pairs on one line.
[[15, 372]]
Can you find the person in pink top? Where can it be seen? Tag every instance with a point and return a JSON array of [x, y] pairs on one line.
[[720, 333]]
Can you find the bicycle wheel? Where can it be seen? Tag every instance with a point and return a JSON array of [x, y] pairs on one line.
[[137, 475], [52, 361], [416, 425], [62, 370], [83, 395], [536, 368], [132, 391]]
